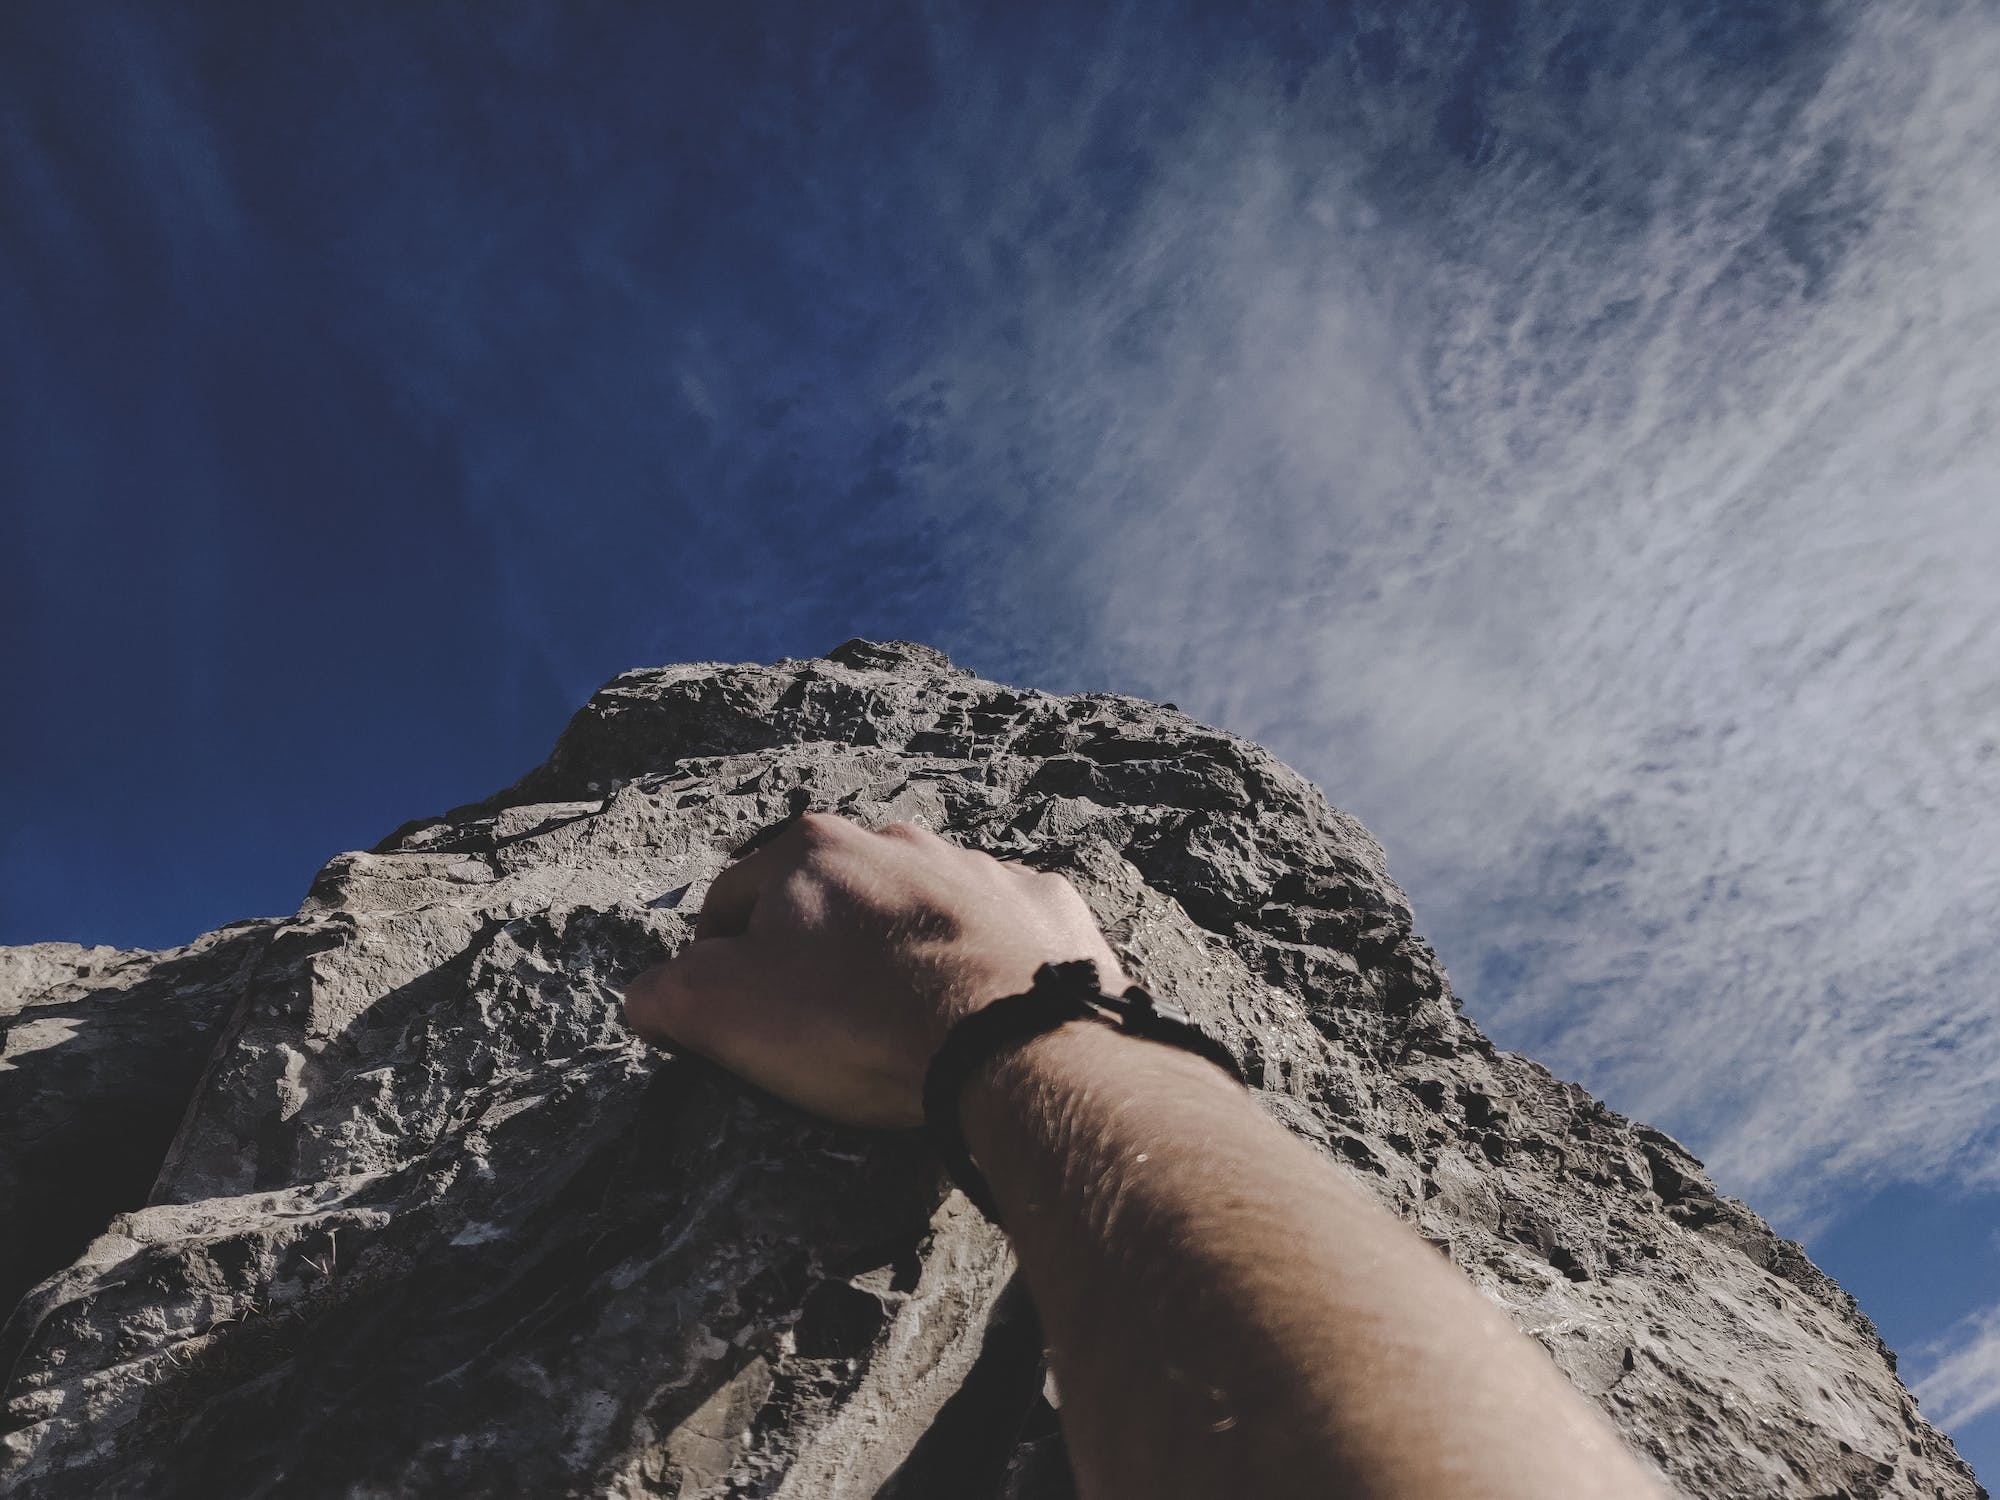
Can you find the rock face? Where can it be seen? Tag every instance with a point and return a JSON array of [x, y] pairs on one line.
[[381, 1199]]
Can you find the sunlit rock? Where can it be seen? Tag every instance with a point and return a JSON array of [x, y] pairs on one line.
[[382, 1198]]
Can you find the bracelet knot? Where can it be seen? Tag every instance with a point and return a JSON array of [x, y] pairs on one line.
[[1061, 993]]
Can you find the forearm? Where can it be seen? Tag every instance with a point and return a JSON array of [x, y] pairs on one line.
[[1228, 1315]]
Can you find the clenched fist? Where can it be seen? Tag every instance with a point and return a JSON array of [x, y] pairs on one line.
[[828, 965]]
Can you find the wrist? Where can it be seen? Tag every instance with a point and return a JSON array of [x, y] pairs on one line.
[[1032, 1075], [1022, 1110], [1064, 997]]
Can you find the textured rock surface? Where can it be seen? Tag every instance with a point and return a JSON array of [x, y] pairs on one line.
[[381, 1198]]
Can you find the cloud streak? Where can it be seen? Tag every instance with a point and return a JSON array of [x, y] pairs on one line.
[[1568, 436], [1963, 1381], [1608, 518]]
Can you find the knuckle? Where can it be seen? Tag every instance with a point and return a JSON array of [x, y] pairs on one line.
[[819, 830], [648, 999], [1063, 892]]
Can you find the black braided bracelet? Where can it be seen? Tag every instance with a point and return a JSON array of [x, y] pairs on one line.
[[1061, 993]]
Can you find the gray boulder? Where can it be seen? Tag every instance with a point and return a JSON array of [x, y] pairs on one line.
[[382, 1199]]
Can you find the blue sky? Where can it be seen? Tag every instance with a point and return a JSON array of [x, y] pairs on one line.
[[1565, 432]]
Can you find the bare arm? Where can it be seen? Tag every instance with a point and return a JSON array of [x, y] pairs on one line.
[[1226, 1313]]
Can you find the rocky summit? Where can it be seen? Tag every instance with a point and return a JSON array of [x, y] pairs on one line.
[[382, 1198]]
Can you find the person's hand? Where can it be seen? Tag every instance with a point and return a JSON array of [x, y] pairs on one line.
[[828, 964]]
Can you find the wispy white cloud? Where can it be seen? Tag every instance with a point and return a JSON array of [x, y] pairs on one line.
[[1573, 445], [1616, 530], [1962, 1381], [1567, 431]]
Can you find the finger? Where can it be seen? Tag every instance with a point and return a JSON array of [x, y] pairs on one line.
[[686, 1002], [725, 999], [733, 894]]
